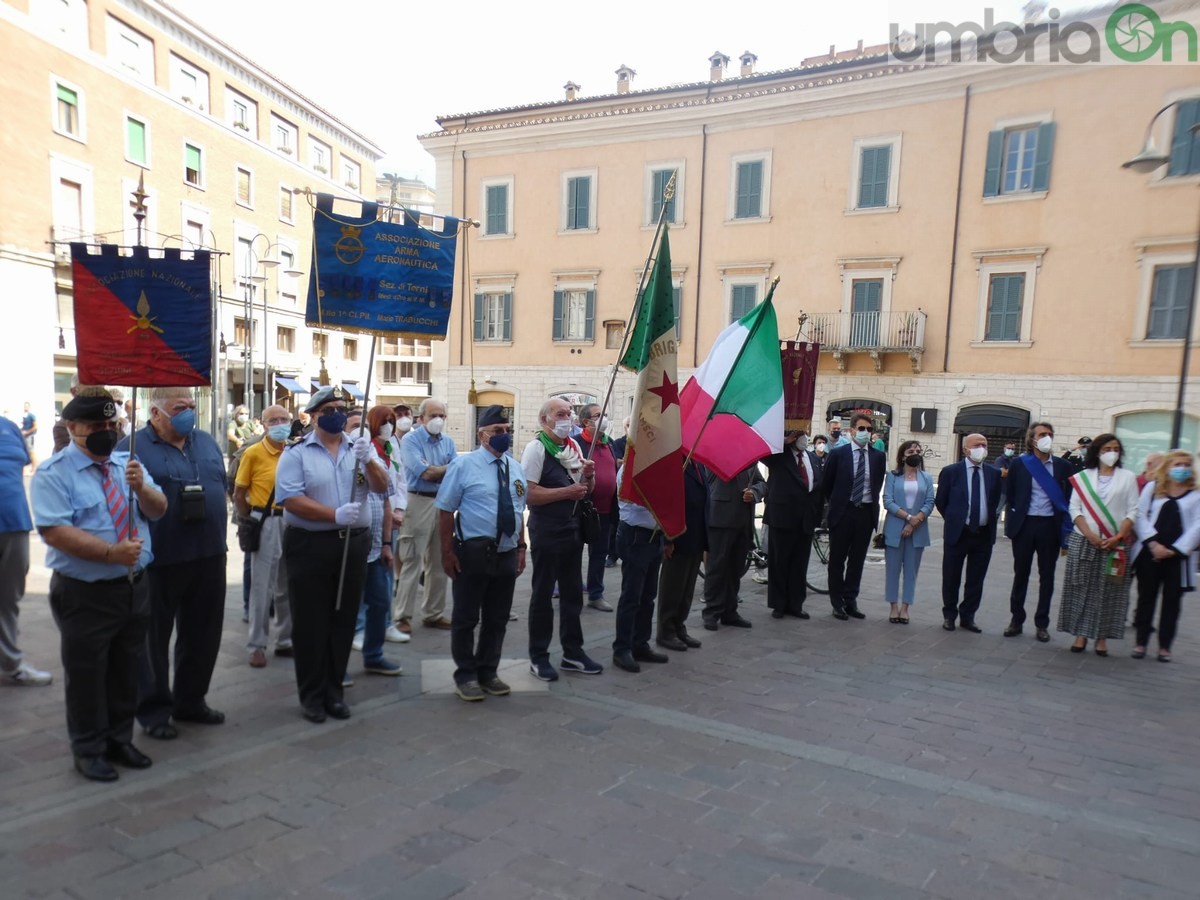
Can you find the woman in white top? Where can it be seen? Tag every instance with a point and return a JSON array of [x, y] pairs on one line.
[[1104, 500], [1164, 554]]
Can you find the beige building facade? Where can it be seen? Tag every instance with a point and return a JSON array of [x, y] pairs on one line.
[[98, 94], [961, 239]]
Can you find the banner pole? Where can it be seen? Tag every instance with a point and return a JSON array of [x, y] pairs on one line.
[[362, 427]]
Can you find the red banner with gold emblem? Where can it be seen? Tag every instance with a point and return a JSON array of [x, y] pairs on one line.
[[799, 383]]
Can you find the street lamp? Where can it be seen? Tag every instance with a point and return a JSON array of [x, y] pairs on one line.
[[251, 265], [1147, 160]]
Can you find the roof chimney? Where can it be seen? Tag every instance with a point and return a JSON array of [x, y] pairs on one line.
[[748, 60], [717, 63], [624, 79], [572, 89]]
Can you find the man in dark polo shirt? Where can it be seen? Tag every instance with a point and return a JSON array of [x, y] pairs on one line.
[[187, 576]]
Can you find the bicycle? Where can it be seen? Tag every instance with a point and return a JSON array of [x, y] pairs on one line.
[[817, 577]]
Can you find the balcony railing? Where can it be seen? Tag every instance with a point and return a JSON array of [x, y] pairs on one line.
[[873, 333]]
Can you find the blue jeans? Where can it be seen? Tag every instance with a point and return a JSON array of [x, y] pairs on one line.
[[375, 609]]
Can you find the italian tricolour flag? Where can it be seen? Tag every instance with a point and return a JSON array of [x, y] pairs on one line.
[[738, 392], [653, 475]]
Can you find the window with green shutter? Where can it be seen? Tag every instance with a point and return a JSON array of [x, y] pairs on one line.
[[68, 110], [1018, 160], [135, 141], [742, 299], [493, 316], [497, 209], [677, 300], [748, 198], [1185, 146], [1006, 294], [192, 159], [873, 171], [1170, 296], [579, 199], [658, 184], [574, 315]]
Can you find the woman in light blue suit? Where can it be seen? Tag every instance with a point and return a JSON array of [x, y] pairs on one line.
[[908, 499]]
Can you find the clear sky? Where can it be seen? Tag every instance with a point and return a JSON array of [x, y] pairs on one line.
[[388, 68]]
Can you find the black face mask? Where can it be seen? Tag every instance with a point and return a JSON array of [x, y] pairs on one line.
[[913, 459], [102, 443], [332, 422]]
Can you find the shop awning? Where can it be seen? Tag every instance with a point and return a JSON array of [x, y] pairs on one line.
[[991, 415], [352, 389], [290, 384]]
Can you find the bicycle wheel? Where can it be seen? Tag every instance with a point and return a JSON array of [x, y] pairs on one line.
[[817, 577]]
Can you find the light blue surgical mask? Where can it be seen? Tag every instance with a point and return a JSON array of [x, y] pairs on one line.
[[184, 421], [1181, 473], [279, 433]]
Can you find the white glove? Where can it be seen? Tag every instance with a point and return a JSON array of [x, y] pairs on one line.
[[346, 514], [363, 449]]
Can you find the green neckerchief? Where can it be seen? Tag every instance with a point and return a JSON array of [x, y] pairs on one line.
[[552, 448]]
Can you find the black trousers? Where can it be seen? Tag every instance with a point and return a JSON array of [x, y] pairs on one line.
[[975, 550], [485, 600], [1043, 536], [1151, 577], [787, 568], [187, 599], [641, 555], [728, 549], [322, 633], [848, 543], [102, 627], [597, 553], [676, 587], [555, 562]]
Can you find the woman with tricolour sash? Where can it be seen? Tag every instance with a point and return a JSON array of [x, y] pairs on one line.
[[1104, 499]]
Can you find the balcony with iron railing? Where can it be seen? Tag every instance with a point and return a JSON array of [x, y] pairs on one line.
[[873, 333]]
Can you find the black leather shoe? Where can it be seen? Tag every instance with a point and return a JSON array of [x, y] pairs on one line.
[[710, 626], [128, 756], [1043, 635], [971, 627], [671, 643], [162, 731], [202, 715], [777, 614], [626, 661], [801, 614], [338, 709], [947, 624], [313, 714], [688, 639], [736, 621], [95, 768], [1012, 630], [855, 613], [840, 615], [645, 654]]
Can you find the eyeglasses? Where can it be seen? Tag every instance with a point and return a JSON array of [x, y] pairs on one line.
[[861, 428]]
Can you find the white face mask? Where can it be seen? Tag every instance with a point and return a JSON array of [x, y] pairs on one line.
[[435, 425], [1110, 458], [802, 443], [562, 428], [1045, 443], [602, 425], [385, 430], [977, 454], [403, 424], [1009, 451], [242, 419]]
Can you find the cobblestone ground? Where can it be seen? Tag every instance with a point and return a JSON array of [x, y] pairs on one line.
[[799, 759]]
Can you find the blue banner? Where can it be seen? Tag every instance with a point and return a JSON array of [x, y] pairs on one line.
[[381, 277]]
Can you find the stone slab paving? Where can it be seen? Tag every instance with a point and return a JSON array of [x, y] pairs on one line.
[[816, 759]]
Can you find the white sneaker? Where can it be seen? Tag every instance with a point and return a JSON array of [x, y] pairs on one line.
[[358, 640], [395, 636], [26, 675]]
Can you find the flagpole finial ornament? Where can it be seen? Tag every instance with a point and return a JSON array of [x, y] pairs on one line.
[[774, 281], [323, 377], [669, 190]]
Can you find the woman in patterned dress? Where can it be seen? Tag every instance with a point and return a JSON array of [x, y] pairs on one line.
[[1104, 500]]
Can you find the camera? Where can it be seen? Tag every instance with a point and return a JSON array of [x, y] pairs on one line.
[[191, 503]]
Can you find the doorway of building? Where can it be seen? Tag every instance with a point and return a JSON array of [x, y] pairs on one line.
[[997, 422]]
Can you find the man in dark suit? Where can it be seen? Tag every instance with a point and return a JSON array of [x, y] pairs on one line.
[[852, 483], [968, 496], [793, 510], [1036, 520], [730, 520]]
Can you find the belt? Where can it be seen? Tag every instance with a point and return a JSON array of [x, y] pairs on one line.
[[124, 579], [273, 511], [341, 532], [640, 528], [1031, 516], [353, 532], [423, 493], [862, 505]]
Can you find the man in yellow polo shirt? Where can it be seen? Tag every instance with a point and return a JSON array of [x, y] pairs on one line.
[[254, 496]]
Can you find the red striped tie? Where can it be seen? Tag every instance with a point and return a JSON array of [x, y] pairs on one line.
[[117, 507]]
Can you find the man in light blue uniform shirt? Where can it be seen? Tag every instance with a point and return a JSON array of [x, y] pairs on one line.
[[99, 547], [483, 552], [640, 546], [425, 454], [322, 483]]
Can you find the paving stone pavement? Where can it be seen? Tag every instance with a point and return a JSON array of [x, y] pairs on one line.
[[799, 759]]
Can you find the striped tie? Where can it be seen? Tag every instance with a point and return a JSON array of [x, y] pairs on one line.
[[860, 476], [117, 507]]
